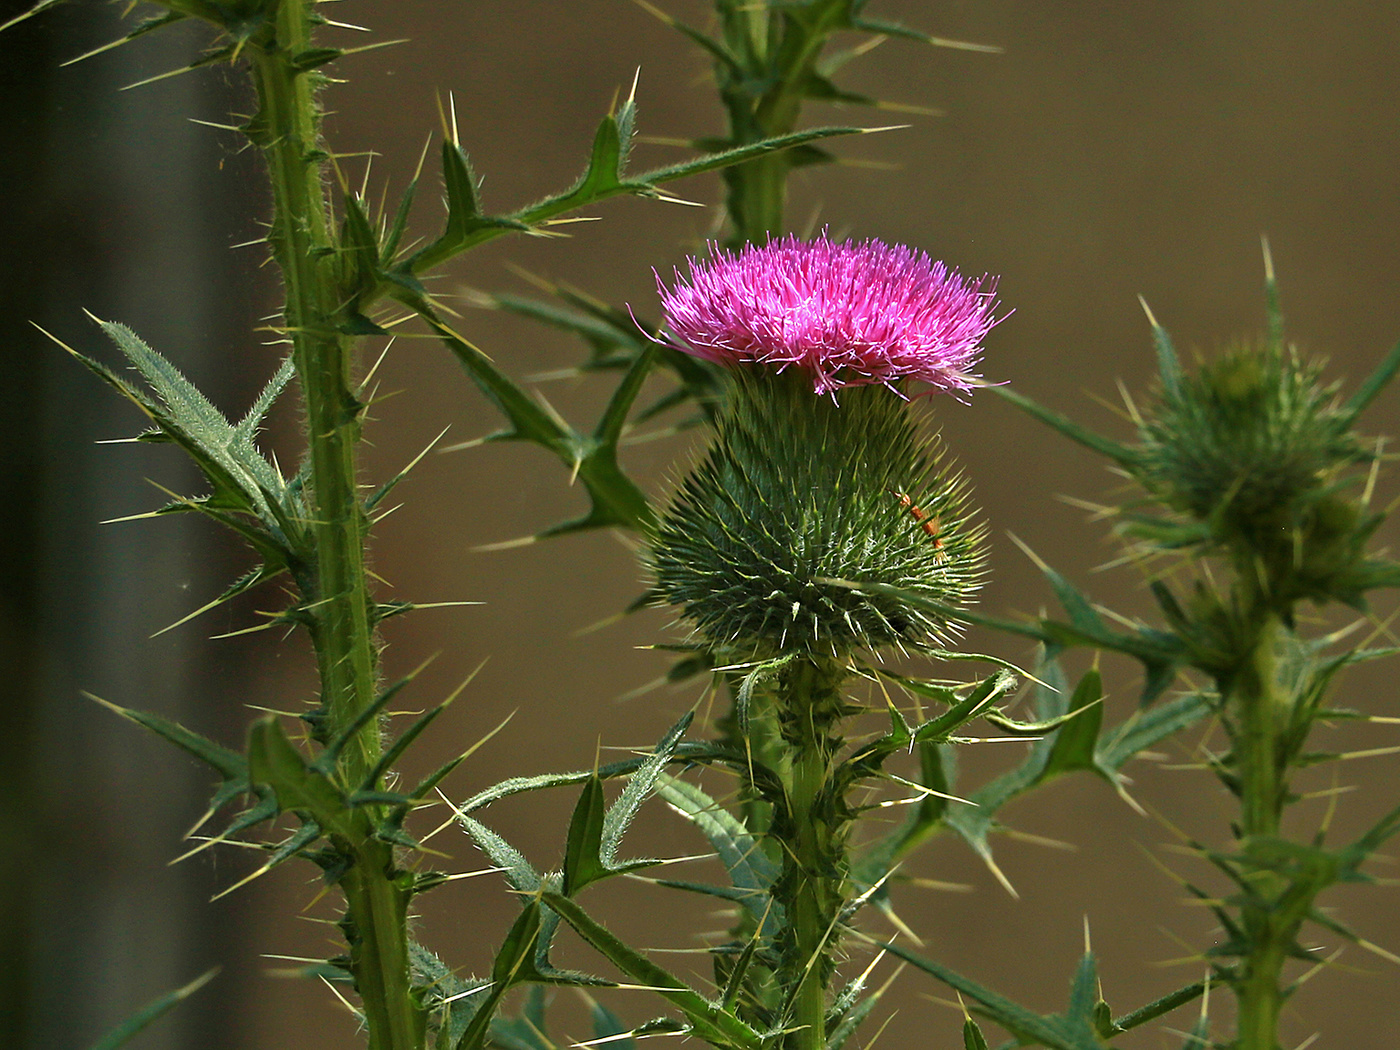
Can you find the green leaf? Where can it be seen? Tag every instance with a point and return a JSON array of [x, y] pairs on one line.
[[607, 1025], [274, 761], [311, 57], [1158, 1007], [153, 1010], [640, 786], [230, 765], [750, 869], [708, 1019], [582, 862], [1075, 741], [1046, 1031], [1168, 364], [616, 500], [595, 835], [1146, 727], [1374, 384], [973, 1039], [243, 481], [358, 256], [601, 181], [521, 875]]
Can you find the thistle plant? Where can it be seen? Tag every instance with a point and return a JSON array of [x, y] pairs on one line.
[[822, 531], [1254, 502]]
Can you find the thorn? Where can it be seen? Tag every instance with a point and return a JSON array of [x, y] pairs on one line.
[[1148, 311], [999, 874], [344, 1001], [965, 45], [504, 545], [1376, 949], [1268, 265]]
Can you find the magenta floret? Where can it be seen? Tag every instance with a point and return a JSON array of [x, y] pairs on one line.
[[852, 313]]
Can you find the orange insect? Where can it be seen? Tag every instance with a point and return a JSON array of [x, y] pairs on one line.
[[930, 523]]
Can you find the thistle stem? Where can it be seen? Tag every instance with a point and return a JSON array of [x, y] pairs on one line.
[[810, 824], [342, 625], [1260, 704]]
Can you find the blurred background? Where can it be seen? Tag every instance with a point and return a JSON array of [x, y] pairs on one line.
[[1113, 150]]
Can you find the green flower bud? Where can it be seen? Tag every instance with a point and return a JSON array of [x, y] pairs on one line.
[[1254, 450]]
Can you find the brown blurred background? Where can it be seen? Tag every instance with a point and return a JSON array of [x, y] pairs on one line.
[[1112, 150]]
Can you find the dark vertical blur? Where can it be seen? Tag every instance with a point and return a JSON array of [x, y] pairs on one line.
[[113, 203]]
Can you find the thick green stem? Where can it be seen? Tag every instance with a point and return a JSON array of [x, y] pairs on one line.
[[304, 245], [756, 197], [810, 823], [377, 910], [1260, 704]]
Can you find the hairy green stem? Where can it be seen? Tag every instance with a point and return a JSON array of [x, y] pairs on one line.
[[810, 823], [1260, 704], [342, 621]]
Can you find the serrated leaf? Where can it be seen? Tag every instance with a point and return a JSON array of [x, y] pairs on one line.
[[595, 834], [600, 183], [750, 870], [1076, 739], [616, 500], [243, 481], [1146, 727], [521, 875]]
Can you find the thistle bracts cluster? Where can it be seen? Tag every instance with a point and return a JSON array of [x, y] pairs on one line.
[[1256, 458], [798, 493]]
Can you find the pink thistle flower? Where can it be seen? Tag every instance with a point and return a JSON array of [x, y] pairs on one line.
[[852, 314]]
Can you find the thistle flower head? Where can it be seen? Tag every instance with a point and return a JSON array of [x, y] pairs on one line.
[[849, 314]]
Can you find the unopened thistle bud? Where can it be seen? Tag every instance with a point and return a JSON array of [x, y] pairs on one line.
[[818, 471], [1254, 450]]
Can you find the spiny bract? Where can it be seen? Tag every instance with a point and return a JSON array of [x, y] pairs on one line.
[[796, 491]]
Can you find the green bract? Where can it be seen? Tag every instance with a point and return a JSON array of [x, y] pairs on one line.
[[798, 491]]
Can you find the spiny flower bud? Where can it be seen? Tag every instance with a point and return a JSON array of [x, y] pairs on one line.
[[799, 490], [1253, 449]]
